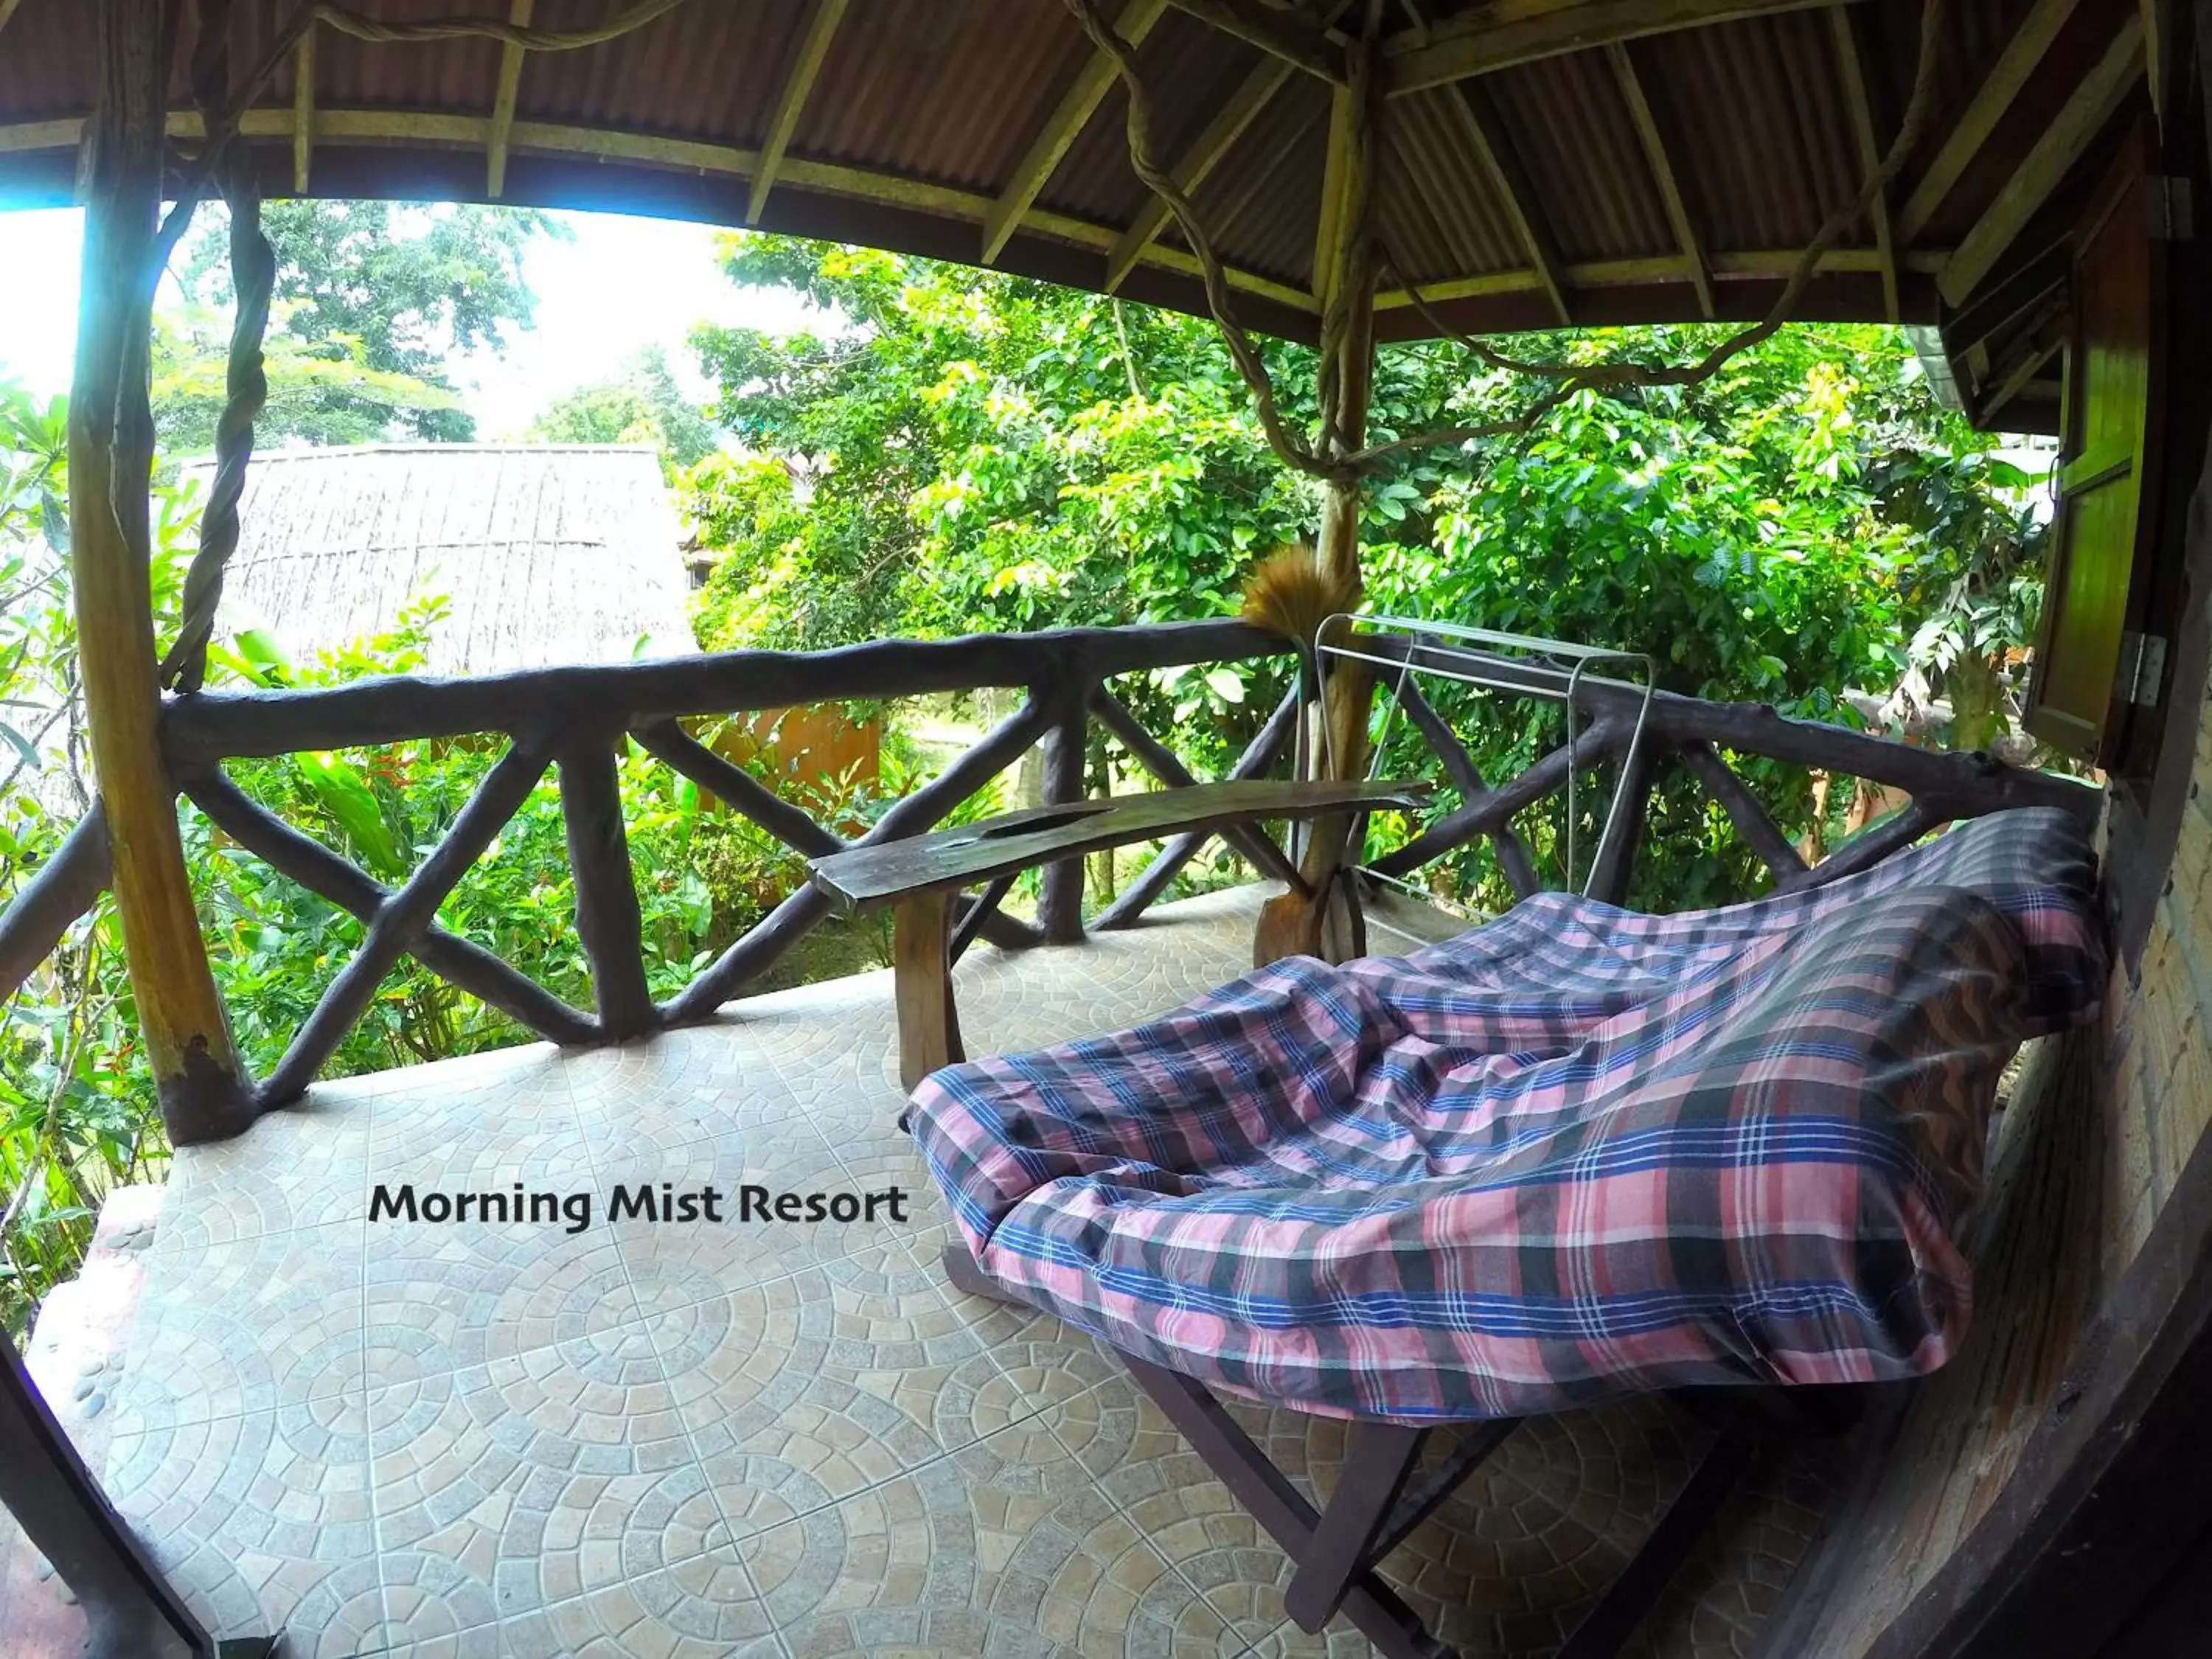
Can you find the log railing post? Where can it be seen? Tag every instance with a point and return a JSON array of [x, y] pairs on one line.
[[1059, 889], [608, 921], [202, 1091], [1623, 831]]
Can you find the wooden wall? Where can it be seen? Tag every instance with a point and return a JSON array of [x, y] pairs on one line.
[[2100, 1127]]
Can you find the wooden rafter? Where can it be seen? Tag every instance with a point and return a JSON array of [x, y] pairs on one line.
[[1858, 100], [303, 113], [2021, 53], [1336, 180], [1205, 154], [1485, 134], [2056, 149], [502, 109], [1068, 119], [728, 160], [820, 29], [1295, 39], [2018, 378], [1762, 264], [1497, 34], [1662, 172]]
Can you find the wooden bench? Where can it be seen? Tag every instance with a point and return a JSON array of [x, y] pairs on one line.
[[918, 876]]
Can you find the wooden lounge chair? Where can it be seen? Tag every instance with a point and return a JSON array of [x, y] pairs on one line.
[[1576, 1154]]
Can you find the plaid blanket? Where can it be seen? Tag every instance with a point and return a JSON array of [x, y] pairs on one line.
[[1577, 1152]]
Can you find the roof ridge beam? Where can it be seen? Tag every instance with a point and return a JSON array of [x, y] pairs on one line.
[[1858, 101], [2027, 48], [1206, 153], [1061, 128], [2056, 149], [1295, 38], [813, 48], [1499, 34], [1662, 172], [511, 58], [1485, 134]]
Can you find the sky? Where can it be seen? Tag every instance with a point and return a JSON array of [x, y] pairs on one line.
[[621, 284]]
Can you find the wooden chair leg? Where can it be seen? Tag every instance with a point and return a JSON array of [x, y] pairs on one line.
[[1379, 1613], [1605, 1628], [1379, 1460], [921, 985]]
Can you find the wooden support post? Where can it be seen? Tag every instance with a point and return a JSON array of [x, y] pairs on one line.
[[204, 1094], [1059, 889], [921, 985], [607, 918]]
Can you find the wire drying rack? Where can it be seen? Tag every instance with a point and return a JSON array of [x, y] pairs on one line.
[[1516, 665]]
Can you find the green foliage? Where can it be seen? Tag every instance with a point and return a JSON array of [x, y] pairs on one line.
[[76, 1113], [644, 406], [382, 292], [952, 451], [325, 392]]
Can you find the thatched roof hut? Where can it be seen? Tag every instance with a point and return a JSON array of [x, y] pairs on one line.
[[548, 553]]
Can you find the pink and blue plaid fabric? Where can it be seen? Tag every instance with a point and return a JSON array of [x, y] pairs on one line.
[[1577, 1152]]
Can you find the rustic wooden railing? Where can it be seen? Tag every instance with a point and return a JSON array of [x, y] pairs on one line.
[[576, 720], [1620, 729]]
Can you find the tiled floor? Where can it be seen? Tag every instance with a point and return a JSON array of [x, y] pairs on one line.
[[771, 1438]]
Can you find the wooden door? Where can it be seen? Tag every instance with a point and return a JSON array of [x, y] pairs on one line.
[[2113, 398]]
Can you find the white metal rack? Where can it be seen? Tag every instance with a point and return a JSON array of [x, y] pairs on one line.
[[1527, 665]]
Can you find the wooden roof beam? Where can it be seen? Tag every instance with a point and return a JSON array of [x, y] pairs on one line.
[[1205, 154], [1486, 136], [813, 48], [1858, 100], [502, 108], [1068, 119], [303, 112], [1296, 39], [2021, 53], [1662, 172], [2056, 149], [1497, 34]]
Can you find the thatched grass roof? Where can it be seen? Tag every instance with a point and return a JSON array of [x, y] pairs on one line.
[[548, 553]]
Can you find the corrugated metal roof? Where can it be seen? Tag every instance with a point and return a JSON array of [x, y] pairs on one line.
[[548, 554], [921, 114]]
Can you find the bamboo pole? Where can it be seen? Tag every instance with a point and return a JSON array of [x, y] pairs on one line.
[[203, 1093]]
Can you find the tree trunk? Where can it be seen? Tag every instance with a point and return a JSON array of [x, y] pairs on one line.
[[203, 1093]]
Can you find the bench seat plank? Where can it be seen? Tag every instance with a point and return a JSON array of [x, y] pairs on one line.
[[867, 877]]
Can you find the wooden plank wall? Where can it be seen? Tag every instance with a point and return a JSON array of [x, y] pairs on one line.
[[2100, 1127]]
